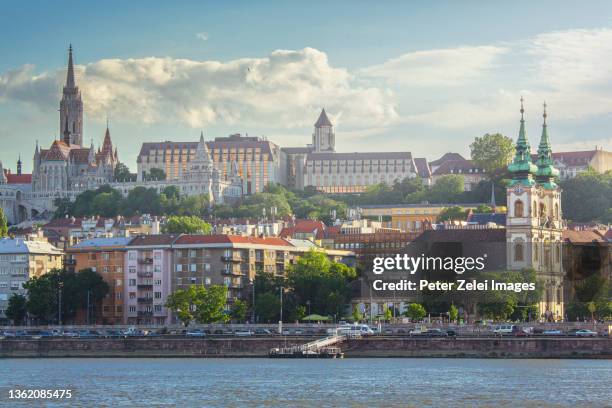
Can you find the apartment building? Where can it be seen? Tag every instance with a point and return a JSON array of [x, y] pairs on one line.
[[106, 256], [20, 260], [149, 262]]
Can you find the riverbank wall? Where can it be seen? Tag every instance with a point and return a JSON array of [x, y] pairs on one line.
[[259, 347]]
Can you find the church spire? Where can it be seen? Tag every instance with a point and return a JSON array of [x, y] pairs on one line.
[[546, 172], [202, 153], [70, 83], [66, 132], [19, 164], [521, 168]]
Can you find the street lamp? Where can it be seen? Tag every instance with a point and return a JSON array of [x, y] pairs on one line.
[[59, 305], [308, 304], [253, 303]]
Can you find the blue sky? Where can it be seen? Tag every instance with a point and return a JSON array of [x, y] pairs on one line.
[[414, 76]]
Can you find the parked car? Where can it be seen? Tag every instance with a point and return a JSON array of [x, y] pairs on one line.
[[585, 333], [70, 333], [417, 331], [195, 333], [435, 333], [451, 333], [552, 332], [243, 333], [263, 332], [521, 333]]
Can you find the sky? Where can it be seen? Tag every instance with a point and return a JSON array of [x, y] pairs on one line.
[[413, 76]]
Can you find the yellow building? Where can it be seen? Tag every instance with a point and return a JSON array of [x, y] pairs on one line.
[[408, 217]]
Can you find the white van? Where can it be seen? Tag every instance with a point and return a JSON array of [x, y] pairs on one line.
[[504, 329], [360, 329]]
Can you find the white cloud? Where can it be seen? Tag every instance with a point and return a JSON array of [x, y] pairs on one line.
[[437, 68], [202, 36], [283, 90]]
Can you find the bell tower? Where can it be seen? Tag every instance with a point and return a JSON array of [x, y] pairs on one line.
[[71, 107]]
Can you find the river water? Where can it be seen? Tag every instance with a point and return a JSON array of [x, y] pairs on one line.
[[208, 382]]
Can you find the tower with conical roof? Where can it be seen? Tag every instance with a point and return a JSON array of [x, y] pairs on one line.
[[546, 172], [323, 138], [521, 168], [71, 106]]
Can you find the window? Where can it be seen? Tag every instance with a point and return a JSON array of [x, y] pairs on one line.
[[132, 308], [132, 255], [119, 295], [207, 281], [158, 281], [157, 268], [132, 282], [193, 267], [158, 308], [158, 295], [542, 210], [132, 269], [519, 255], [518, 208], [179, 268], [132, 295]]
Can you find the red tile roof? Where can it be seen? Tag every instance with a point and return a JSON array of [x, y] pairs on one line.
[[457, 167], [317, 228], [17, 178], [154, 240], [229, 239], [585, 236], [447, 157]]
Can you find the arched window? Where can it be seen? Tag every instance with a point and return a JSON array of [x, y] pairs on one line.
[[556, 214], [519, 255], [542, 210], [518, 208], [534, 209]]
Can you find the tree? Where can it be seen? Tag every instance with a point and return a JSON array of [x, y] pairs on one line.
[[447, 189], [122, 173], [156, 174], [204, 305], [357, 315], [210, 304], [238, 310], [388, 314], [267, 306], [416, 312], [3, 224], [453, 313], [17, 309], [595, 187], [483, 209], [181, 303], [324, 283], [452, 214], [186, 225], [43, 297], [492, 152]]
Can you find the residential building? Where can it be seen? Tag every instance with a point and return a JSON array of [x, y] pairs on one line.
[[454, 163], [20, 260], [106, 256], [570, 164], [149, 264]]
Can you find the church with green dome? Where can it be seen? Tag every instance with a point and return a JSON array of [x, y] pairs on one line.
[[534, 222]]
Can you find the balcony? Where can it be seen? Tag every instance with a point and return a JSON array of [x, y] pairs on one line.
[[145, 300], [145, 313], [145, 261], [235, 285], [69, 262], [144, 285], [232, 258], [232, 272], [145, 274]]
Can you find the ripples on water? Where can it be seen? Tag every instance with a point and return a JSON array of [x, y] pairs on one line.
[[313, 383]]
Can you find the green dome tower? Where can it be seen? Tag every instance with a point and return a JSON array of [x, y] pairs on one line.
[[545, 176], [521, 168]]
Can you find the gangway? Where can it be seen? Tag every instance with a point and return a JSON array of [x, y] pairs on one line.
[[321, 348]]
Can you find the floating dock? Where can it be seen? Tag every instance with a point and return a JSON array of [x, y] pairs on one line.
[[322, 348]]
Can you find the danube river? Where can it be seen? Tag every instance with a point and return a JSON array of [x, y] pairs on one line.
[[208, 382]]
